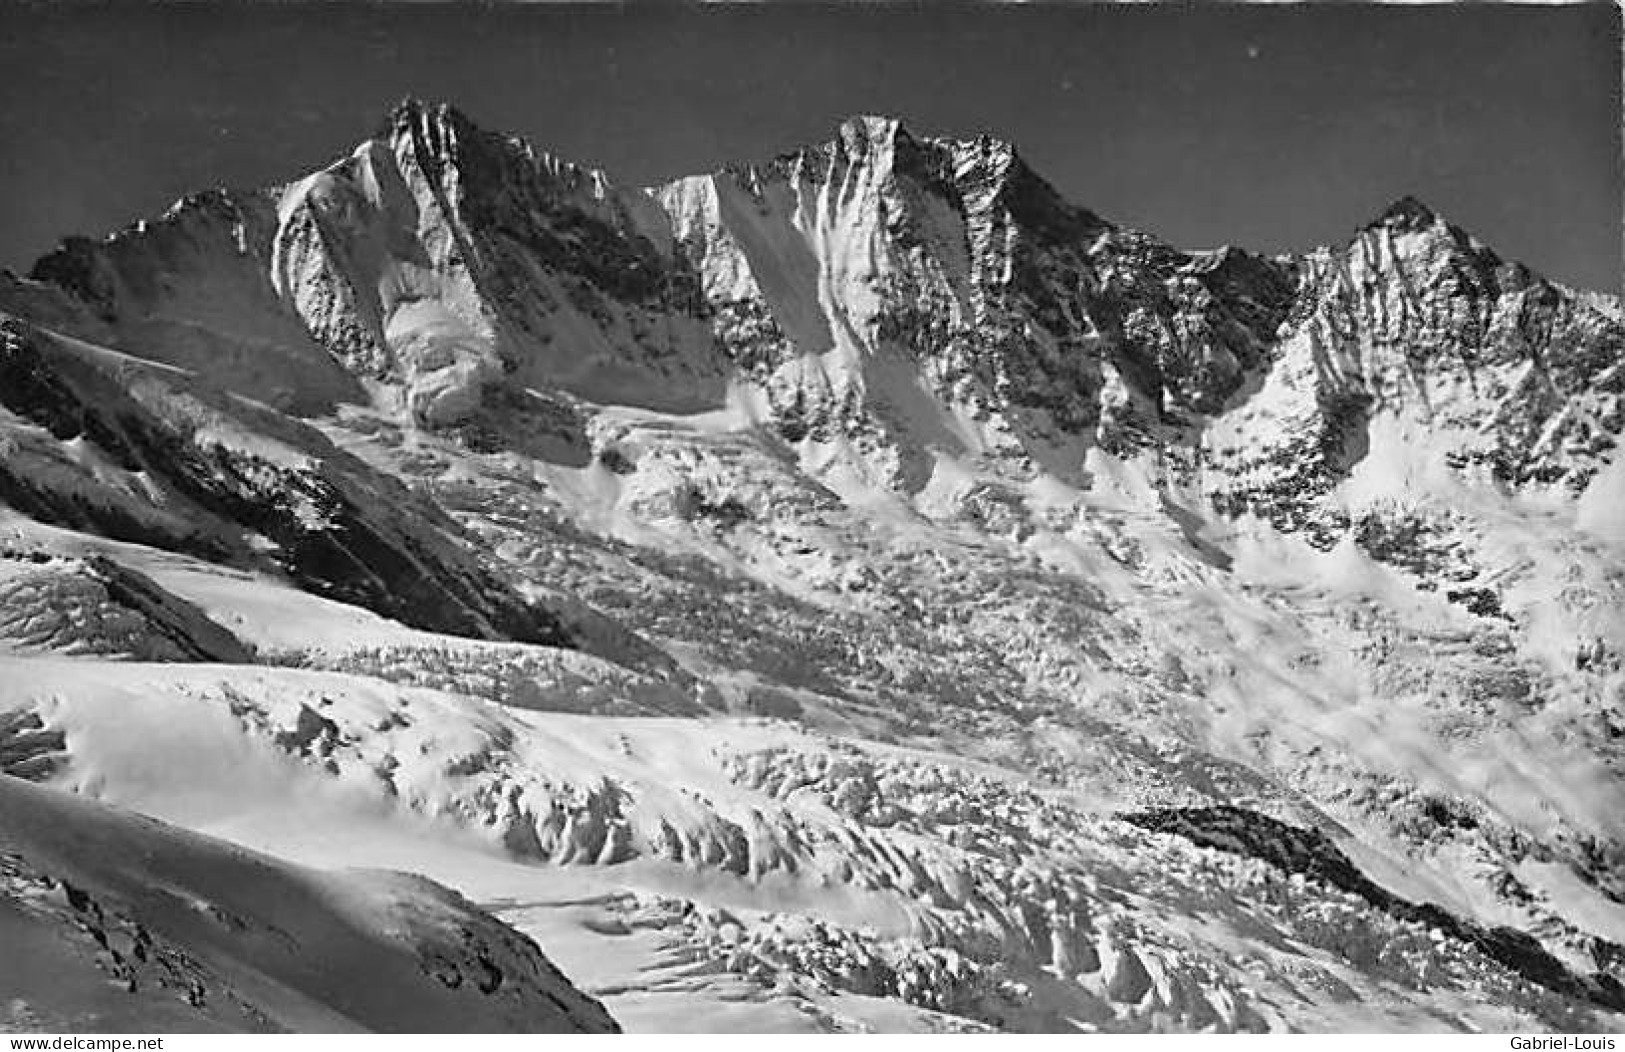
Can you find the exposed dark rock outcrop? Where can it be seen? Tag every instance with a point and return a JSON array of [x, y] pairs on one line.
[[1311, 853]]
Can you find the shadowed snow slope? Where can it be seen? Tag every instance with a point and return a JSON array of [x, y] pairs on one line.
[[114, 921]]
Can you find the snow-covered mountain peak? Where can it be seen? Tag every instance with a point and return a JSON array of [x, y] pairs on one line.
[[1408, 229], [1406, 213], [441, 262], [439, 134], [863, 134]]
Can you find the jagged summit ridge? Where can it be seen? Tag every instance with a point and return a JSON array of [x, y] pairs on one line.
[[442, 264], [440, 132], [1406, 213]]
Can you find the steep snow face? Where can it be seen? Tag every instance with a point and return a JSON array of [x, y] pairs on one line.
[[446, 258], [368, 257], [914, 297], [436, 262], [1418, 328], [924, 295], [858, 281], [113, 921], [883, 300], [190, 289]]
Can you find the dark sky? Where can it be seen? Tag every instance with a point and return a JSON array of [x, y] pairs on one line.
[[1267, 126]]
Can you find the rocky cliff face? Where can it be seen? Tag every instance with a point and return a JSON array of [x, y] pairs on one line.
[[851, 278], [434, 261], [446, 257], [1501, 374], [832, 269]]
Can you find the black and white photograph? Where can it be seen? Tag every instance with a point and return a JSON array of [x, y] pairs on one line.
[[811, 519]]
